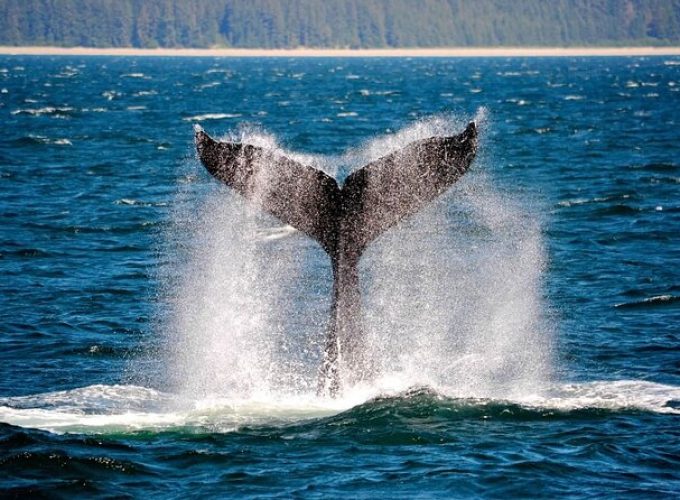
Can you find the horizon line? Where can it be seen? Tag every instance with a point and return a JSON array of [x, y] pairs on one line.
[[523, 51]]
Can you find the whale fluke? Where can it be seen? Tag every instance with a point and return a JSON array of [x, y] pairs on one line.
[[343, 220]]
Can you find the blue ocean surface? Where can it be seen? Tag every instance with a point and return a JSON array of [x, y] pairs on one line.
[[161, 337]]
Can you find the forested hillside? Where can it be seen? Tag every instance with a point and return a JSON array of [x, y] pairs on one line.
[[338, 23]]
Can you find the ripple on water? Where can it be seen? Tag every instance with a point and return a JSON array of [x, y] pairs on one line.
[[82, 351]]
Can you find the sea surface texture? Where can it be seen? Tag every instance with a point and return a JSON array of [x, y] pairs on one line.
[[161, 337]]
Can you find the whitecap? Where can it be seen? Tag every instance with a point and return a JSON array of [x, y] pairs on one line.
[[47, 110], [209, 85], [47, 140], [211, 116], [126, 201], [366, 92], [111, 94], [616, 395]]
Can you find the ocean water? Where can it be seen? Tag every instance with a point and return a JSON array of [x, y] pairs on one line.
[[161, 337]]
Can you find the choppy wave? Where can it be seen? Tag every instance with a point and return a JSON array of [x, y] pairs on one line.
[[211, 116], [367, 92], [106, 409], [32, 139], [80, 248], [46, 110], [658, 300], [599, 199]]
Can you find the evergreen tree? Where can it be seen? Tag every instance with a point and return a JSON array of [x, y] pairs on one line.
[[338, 23]]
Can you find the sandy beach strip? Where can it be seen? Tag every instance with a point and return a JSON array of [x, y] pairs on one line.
[[311, 52]]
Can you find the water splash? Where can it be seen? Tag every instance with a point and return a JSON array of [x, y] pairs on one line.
[[452, 297], [455, 300], [116, 409], [228, 330]]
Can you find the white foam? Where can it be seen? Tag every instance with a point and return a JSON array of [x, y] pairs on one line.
[[211, 116], [47, 110], [47, 140], [111, 94], [112, 409], [102, 409], [209, 85], [608, 395]]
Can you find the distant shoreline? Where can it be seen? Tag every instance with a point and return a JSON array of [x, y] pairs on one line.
[[308, 52]]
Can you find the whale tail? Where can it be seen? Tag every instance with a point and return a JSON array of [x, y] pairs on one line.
[[343, 220]]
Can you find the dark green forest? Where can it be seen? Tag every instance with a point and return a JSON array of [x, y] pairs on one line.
[[338, 23]]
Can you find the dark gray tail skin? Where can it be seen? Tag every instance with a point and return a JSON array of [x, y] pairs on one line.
[[343, 220]]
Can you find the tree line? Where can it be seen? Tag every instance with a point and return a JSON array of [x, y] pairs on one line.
[[338, 23]]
